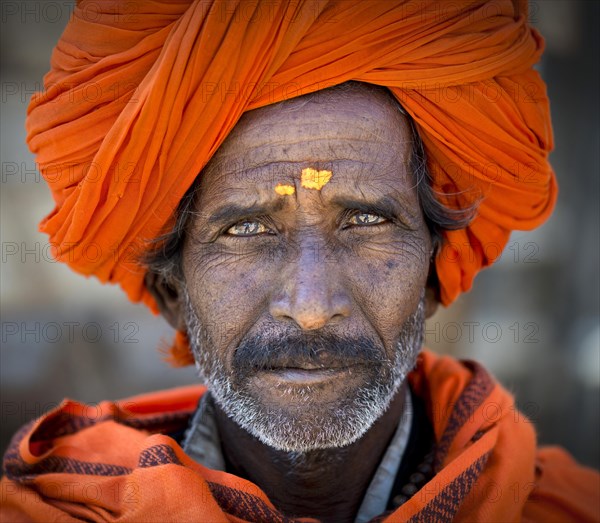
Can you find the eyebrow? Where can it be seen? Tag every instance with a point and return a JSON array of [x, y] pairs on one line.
[[233, 212], [386, 206]]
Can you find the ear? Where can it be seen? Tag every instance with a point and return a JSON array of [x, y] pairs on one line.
[[168, 299], [432, 291]]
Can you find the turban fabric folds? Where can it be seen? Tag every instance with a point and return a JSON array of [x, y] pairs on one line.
[[141, 94]]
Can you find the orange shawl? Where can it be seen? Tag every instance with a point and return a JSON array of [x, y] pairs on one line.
[[141, 95], [113, 462]]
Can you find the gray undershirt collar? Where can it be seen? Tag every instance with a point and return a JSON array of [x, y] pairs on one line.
[[202, 443], [378, 492]]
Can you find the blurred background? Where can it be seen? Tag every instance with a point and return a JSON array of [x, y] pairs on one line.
[[532, 319]]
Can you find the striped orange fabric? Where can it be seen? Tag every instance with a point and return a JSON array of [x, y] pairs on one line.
[[114, 462]]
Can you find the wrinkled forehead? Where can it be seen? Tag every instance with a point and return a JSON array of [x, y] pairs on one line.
[[359, 134]]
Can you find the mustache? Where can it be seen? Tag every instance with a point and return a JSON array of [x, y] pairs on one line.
[[303, 350]]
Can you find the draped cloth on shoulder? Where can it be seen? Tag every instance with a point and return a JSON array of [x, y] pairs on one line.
[[115, 462], [141, 94]]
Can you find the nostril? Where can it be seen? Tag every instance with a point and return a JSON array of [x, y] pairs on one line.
[[311, 317], [336, 318]]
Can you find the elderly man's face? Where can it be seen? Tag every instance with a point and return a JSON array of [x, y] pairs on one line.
[[304, 305]]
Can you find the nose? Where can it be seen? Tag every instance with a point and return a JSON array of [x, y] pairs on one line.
[[310, 289]]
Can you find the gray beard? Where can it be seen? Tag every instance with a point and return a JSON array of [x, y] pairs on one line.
[[292, 431]]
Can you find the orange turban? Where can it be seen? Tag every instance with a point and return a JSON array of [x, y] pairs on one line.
[[142, 94]]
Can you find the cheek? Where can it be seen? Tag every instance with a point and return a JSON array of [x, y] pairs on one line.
[[388, 285], [227, 293]]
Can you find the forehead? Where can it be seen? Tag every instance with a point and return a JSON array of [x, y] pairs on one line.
[[361, 136]]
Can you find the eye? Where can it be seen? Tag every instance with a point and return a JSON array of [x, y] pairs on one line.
[[247, 228], [366, 218]]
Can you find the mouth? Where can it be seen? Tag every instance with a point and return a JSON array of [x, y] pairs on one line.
[[305, 375]]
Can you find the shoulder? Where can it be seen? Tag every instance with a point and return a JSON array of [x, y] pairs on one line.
[[82, 455], [77, 430], [563, 490]]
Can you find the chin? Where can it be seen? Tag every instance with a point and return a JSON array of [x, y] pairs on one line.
[[302, 417]]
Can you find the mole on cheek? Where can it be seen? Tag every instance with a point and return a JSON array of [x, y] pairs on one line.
[[313, 179]]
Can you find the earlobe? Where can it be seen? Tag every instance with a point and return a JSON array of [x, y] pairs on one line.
[[168, 299]]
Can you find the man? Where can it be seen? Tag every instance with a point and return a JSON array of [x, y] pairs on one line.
[[321, 225]]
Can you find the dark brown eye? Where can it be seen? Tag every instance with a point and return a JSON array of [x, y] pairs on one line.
[[247, 228]]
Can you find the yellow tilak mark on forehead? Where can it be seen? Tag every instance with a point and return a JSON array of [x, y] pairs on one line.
[[284, 189], [313, 179]]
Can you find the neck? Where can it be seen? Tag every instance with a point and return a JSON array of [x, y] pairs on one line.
[[328, 484]]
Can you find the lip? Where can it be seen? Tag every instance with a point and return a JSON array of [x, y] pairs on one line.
[[305, 375]]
